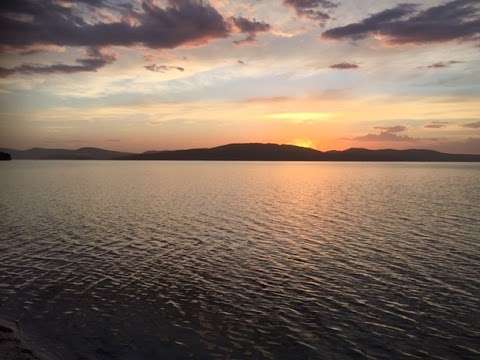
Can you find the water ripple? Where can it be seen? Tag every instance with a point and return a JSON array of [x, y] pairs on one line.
[[133, 260]]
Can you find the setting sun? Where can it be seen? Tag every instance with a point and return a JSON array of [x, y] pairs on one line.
[[304, 143]]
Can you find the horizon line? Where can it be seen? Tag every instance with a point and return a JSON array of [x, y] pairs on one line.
[[230, 144]]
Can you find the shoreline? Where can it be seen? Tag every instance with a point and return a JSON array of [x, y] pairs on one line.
[[14, 346]]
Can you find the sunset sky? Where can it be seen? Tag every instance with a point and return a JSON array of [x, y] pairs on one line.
[[330, 74]]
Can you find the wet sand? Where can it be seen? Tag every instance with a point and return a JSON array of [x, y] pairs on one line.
[[12, 346]]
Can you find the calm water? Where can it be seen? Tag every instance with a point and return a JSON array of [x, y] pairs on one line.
[[217, 260]]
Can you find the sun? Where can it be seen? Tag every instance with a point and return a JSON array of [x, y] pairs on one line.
[[304, 143]]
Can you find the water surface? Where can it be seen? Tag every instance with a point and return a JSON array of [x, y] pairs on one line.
[[243, 260]]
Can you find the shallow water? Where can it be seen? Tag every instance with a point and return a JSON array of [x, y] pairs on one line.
[[219, 260]]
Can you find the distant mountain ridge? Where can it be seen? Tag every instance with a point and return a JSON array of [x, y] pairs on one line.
[[84, 153], [245, 152]]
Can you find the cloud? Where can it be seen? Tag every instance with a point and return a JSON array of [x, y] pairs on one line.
[[249, 27], [391, 129], [344, 66], [390, 134], [466, 146], [51, 22], [436, 125], [462, 146], [31, 50], [406, 24], [163, 68], [443, 64], [96, 60], [474, 125], [387, 133], [268, 99], [312, 9], [384, 137]]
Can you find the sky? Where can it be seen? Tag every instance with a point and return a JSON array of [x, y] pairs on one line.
[[144, 75]]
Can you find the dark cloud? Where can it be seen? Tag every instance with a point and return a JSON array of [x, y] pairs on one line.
[[436, 125], [474, 125], [371, 24], [406, 23], [443, 64], [163, 68], [344, 66], [312, 9], [95, 61], [28, 22], [249, 27], [101, 3], [117, 5]]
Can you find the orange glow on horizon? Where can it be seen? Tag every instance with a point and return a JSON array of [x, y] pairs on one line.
[[304, 143]]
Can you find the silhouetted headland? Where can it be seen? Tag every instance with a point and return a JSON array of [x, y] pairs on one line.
[[5, 156], [247, 152], [85, 153]]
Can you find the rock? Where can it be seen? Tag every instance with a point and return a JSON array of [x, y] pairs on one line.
[[5, 156]]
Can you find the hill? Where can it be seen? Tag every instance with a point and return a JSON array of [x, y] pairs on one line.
[[233, 152], [244, 152], [85, 153], [275, 152]]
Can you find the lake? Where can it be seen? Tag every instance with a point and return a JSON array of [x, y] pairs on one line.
[[242, 260]]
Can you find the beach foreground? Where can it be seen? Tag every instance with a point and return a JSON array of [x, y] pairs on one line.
[[12, 346]]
